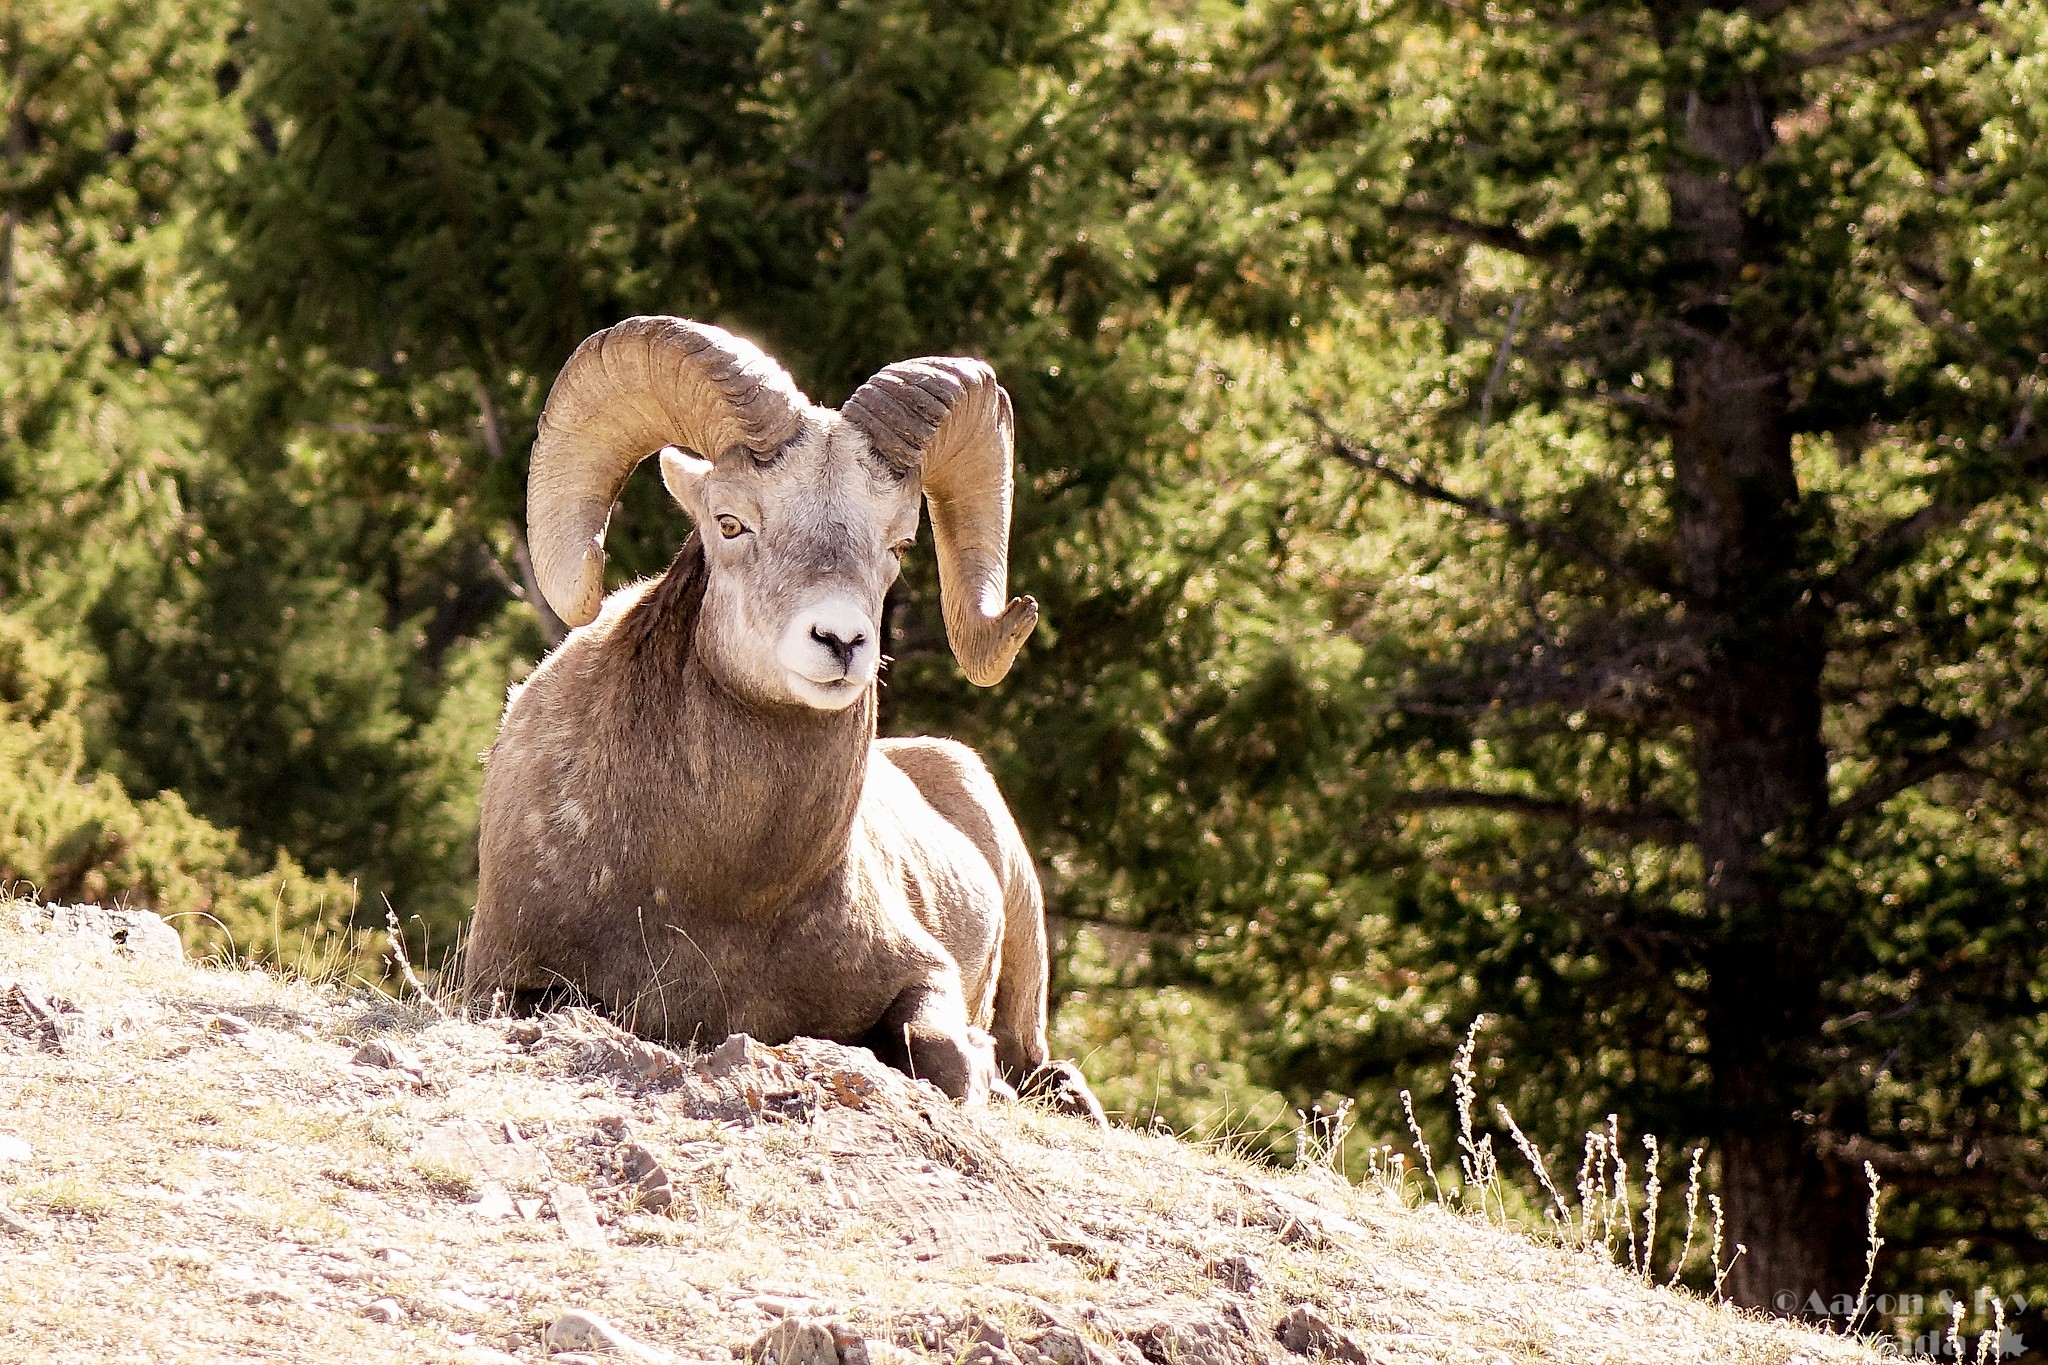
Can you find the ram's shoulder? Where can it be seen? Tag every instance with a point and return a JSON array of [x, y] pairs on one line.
[[942, 764], [953, 780]]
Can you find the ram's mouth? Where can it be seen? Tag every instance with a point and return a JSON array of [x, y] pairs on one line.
[[828, 694]]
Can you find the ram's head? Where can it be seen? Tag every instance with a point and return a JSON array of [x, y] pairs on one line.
[[802, 512]]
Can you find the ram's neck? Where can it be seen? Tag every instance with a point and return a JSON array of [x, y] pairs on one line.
[[771, 795], [740, 808]]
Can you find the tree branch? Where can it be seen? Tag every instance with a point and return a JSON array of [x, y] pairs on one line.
[[1902, 32], [1981, 1162], [1518, 523], [553, 629], [1055, 917], [1896, 542], [1657, 823], [1500, 367], [1888, 547], [1498, 237], [1953, 757]]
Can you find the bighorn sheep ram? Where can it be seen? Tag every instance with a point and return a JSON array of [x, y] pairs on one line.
[[687, 818]]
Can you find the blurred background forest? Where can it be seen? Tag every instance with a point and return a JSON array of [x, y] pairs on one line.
[[1538, 508]]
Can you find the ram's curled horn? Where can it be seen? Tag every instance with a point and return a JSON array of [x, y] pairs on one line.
[[947, 419], [629, 390]]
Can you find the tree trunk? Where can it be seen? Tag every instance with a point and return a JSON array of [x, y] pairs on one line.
[[553, 629], [1757, 752]]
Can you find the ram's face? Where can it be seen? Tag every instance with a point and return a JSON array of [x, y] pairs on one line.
[[800, 553]]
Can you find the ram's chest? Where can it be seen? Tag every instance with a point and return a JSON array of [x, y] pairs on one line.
[[824, 963]]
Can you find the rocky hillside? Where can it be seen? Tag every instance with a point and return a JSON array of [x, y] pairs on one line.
[[206, 1164]]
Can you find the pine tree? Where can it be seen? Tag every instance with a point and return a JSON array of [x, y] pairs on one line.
[[1709, 344]]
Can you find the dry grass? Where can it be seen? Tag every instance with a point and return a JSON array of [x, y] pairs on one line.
[[211, 1178]]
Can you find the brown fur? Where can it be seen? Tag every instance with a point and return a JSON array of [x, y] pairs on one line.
[[698, 864]]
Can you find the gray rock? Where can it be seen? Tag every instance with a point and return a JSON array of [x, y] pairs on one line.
[[465, 1305], [1238, 1274], [573, 1211], [654, 1190], [43, 1020], [13, 1149], [492, 1201], [579, 1329], [15, 1225], [872, 1352], [524, 1033], [1065, 1346], [597, 1044], [336, 1271], [1301, 1223], [1307, 1332], [277, 1291], [738, 1050], [796, 1341], [496, 1153], [1187, 1336], [383, 1052], [136, 932], [385, 1311]]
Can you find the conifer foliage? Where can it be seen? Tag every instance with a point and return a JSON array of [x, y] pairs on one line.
[[1712, 341], [1538, 508]]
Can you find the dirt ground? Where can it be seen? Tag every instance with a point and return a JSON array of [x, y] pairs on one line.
[[208, 1164]]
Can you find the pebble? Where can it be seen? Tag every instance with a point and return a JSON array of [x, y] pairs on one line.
[[340, 1272], [14, 1149], [278, 1292], [229, 1025], [392, 1256], [492, 1201], [384, 1310], [524, 1033]]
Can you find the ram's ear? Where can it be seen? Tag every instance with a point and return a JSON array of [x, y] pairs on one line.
[[683, 474]]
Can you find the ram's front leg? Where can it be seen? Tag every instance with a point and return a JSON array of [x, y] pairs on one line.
[[925, 1034]]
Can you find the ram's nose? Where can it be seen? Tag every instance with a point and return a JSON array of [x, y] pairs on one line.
[[832, 652], [843, 647]]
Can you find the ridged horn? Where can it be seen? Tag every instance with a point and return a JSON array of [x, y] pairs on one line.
[[629, 390], [947, 419]]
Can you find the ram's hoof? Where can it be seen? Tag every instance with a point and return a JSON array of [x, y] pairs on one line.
[[1061, 1085]]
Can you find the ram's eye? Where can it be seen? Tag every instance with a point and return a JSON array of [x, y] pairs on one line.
[[730, 527]]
